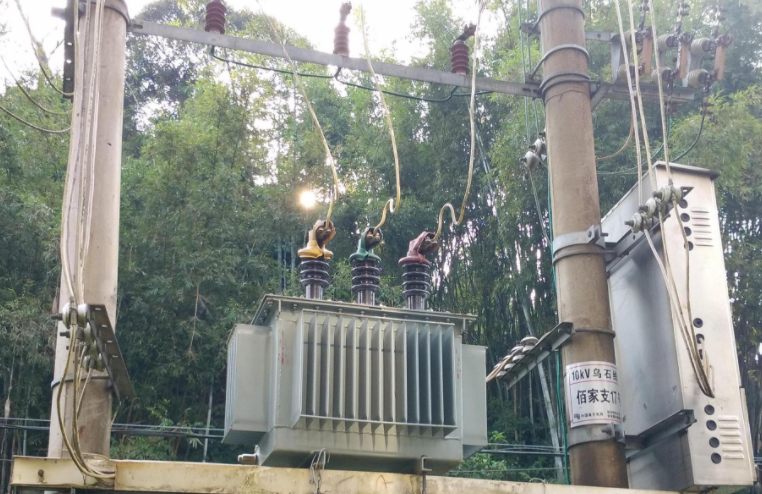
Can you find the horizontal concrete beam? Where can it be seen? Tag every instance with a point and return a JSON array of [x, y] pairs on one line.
[[210, 478], [322, 58]]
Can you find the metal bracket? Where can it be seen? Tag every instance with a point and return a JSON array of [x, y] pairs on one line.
[[422, 469], [595, 433], [109, 349], [592, 235], [677, 423], [550, 342]]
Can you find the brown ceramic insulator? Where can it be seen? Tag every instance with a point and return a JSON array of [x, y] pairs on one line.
[[215, 17], [341, 40], [459, 57], [341, 33]]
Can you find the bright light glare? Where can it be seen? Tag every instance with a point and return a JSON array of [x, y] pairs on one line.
[[308, 199]]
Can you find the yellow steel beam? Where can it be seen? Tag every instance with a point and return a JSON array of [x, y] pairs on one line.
[[211, 478]]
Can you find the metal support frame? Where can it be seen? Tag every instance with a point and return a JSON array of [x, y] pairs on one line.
[[549, 342], [638, 445], [108, 347]]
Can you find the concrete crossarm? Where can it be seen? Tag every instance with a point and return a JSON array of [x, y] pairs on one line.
[[211, 478], [146, 28]]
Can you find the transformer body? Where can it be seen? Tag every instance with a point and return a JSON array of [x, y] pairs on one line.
[[376, 387]]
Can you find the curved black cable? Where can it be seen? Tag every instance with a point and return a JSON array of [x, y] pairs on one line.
[[696, 140], [271, 69], [346, 83]]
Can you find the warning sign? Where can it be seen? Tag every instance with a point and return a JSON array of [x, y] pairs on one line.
[[592, 394]]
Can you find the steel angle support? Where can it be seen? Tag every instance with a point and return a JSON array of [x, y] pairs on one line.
[[312, 56], [109, 349], [677, 423], [546, 345]]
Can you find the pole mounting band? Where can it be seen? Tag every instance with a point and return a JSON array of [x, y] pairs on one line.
[[556, 78], [592, 235], [556, 7], [595, 433], [607, 331], [556, 49]]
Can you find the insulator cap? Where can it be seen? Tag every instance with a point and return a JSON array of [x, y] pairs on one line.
[[459, 60], [215, 17]]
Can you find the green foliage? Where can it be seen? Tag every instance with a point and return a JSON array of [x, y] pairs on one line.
[[215, 156]]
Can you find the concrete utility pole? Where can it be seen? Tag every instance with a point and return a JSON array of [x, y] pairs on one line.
[[596, 458], [101, 265]]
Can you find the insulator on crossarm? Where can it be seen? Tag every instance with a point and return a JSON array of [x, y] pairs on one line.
[[702, 46], [341, 33], [215, 17], [698, 78], [459, 59], [667, 42]]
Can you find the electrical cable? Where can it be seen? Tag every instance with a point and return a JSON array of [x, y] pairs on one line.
[[28, 96], [37, 55], [562, 414], [50, 81], [409, 96], [335, 77], [303, 90], [262, 67], [391, 205], [696, 140], [35, 127], [661, 148], [641, 109], [621, 149], [636, 87], [539, 212], [698, 367], [459, 220], [660, 85]]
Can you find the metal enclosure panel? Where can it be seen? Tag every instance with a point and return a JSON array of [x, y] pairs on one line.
[[641, 317], [474, 399], [248, 379], [654, 367]]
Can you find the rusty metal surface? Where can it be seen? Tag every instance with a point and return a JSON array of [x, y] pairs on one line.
[[211, 478]]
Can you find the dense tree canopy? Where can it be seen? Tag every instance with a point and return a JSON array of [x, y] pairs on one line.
[[215, 155]]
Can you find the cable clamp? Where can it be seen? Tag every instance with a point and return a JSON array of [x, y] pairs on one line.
[[595, 433], [592, 235]]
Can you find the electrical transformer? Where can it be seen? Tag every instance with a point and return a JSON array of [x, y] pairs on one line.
[[377, 388], [678, 438]]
